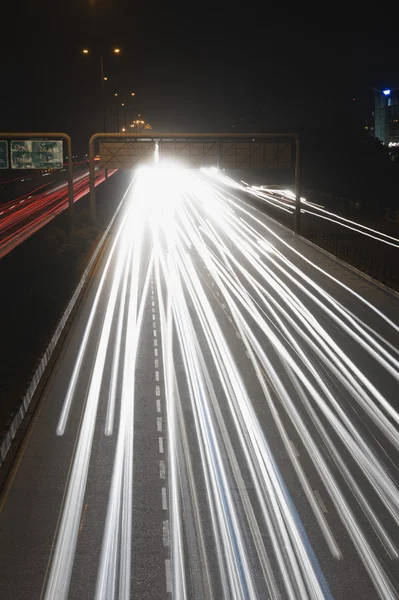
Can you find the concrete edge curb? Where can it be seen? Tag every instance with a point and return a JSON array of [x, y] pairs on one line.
[[8, 436], [370, 279]]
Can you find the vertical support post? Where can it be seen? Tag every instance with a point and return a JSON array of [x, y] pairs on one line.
[[91, 181], [297, 188], [70, 176]]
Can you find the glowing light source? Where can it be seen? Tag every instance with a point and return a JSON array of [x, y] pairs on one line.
[[386, 92]]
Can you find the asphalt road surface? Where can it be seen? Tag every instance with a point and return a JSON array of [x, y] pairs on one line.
[[222, 421]]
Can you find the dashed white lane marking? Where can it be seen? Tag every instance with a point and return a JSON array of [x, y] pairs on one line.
[[153, 303], [160, 441], [156, 375], [168, 575], [158, 405], [238, 335], [157, 390], [165, 533], [155, 342], [247, 353], [154, 325], [153, 309], [294, 448], [159, 423], [162, 470], [155, 332], [164, 500], [320, 501], [156, 352], [153, 317], [156, 363]]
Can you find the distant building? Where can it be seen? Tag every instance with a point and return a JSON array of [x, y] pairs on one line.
[[386, 116]]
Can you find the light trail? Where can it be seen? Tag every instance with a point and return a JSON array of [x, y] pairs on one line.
[[285, 201], [259, 359], [33, 212]]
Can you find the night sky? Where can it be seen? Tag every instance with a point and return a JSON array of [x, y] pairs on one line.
[[193, 67]]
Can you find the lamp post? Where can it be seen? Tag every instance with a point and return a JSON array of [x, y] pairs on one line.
[[103, 80]]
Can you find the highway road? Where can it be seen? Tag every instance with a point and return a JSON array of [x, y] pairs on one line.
[[222, 421], [26, 214]]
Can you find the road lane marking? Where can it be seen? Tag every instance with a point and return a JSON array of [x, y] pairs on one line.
[[294, 448], [159, 423], [160, 442], [164, 500], [158, 405], [165, 533], [154, 332], [156, 375], [155, 351], [155, 342], [320, 501], [157, 390], [153, 317], [168, 575], [162, 469], [156, 363], [83, 518]]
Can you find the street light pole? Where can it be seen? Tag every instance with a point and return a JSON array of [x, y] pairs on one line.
[[103, 91]]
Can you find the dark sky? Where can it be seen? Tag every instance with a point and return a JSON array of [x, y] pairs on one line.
[[193, 67]]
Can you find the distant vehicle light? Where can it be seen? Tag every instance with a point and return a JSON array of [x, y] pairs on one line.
[[386, 92]]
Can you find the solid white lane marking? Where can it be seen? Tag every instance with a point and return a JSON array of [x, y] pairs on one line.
[[168, 575], [160, 441], [164, 500], [156, 375], [157, 390], [320, 501], [162, 470], [159, 423], [165, 533], [158, 405]]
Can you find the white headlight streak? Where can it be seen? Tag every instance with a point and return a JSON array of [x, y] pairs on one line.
[[239, 310]]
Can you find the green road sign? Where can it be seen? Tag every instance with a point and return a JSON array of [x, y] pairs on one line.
[[3, 154], [36, 154]]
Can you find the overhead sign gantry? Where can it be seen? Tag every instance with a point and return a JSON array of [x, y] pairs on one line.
[[263, 151]]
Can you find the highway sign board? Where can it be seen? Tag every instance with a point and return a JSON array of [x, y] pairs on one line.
[[36, 154], [3, 154]]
